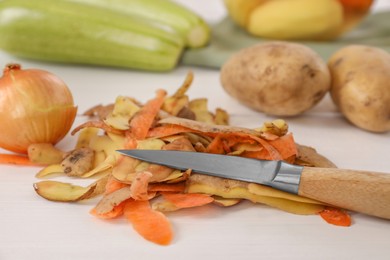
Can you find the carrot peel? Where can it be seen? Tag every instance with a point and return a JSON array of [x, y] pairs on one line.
[[16, 159], [188, 200], [115, 212], [143, 120], [139, 187], [113, 185], [336, 217], [150, 224]]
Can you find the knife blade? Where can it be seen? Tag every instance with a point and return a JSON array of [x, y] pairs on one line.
[[362, 191]]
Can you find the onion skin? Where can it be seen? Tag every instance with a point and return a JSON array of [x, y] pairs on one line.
[[35, 107]]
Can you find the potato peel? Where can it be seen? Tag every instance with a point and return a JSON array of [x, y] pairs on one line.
[[60, 191], [128, 182], [49, 170]]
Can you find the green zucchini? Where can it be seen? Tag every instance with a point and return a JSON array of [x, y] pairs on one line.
[[194, 30], [71, 32]]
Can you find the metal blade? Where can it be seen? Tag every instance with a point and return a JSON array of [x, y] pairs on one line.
[[277, 174]]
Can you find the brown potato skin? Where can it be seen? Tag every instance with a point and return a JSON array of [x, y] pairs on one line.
[[361, 86], [277, 78]]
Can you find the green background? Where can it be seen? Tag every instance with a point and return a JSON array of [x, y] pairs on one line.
[[228, 38]]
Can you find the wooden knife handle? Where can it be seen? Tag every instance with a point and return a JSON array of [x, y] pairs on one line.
[[361, 191]]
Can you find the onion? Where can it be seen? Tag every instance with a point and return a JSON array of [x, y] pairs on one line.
[[35, 107]]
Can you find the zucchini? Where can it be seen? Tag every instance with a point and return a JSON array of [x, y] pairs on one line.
[[194, 30], [71, 32]]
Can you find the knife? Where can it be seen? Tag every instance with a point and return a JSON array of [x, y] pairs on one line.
[[361, 191]]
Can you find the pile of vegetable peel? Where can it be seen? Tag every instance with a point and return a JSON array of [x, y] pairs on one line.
[[142, 192]]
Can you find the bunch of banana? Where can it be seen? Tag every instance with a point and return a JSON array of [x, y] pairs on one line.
[[137, 34], [297, 19]]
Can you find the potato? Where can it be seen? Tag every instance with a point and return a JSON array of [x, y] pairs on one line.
[[361, 86], [277, 78]]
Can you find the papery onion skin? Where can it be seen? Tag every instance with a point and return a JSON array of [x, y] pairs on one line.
[[36, 106]]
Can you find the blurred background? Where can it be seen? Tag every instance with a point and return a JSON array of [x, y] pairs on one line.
[[216, 9]]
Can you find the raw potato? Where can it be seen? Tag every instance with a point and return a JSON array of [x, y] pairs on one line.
[[277, 78], [361, 86]]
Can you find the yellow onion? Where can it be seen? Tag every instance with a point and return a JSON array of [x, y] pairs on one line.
[[36, 106]]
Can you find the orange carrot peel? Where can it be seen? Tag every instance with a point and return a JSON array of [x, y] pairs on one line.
[[336, 217], [150, 224], [143, 120], [16, 159]]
